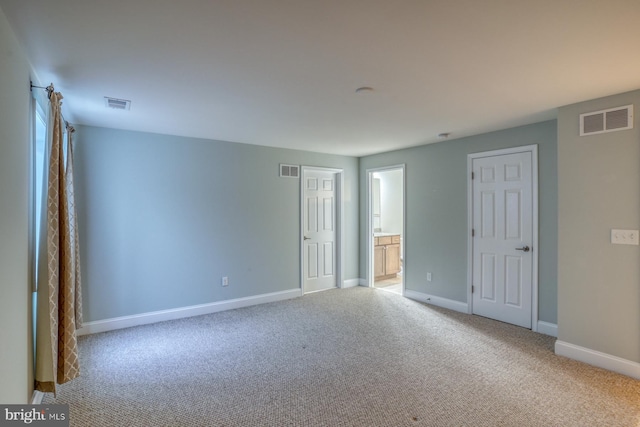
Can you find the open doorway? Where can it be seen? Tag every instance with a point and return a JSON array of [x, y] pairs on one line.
[[386, 221]]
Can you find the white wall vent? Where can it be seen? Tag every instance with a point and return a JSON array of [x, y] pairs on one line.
[[117, 104], [610, 120], [289, 171]]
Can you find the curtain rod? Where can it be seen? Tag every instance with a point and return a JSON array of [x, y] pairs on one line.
[[50, 90]]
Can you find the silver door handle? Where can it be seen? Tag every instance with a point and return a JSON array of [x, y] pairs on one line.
[[524, 249], [307, 238]]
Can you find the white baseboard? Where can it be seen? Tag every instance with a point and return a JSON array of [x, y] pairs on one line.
[[351, 283], [179, 313], [547, 328], [36, 397], [596, 358], [438, 301], [363, 282], [543, 327]]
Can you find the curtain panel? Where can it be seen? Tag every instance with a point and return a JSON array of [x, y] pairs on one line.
[[59, 309]]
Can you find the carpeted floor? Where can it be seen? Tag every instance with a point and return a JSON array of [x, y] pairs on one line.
[[354, 357]]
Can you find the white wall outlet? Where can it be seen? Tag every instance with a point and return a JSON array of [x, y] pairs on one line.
[[225, 281], [428, 277], [624, 237]]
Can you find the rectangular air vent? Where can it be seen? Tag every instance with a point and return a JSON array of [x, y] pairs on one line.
[[610, 120], [289, 171], [117, 104]]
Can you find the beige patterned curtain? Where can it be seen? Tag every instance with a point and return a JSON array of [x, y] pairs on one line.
[[59, 311]]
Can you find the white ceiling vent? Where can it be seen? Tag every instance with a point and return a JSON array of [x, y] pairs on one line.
[[611, 120], [289, 171], [117, 104]]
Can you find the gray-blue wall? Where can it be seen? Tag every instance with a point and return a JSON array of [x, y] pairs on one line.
[[436, 203], [163, 218], [16, 373], [599, 189]]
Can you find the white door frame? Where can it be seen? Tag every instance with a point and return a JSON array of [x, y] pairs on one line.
[[339, 221], [533, 149], [369, 175]]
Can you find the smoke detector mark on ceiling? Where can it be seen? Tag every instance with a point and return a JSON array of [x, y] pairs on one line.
[[364, 89], [117, 104]]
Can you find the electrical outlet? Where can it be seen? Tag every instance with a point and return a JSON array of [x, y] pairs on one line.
[[624, 237], [225, 281], [428, 277]]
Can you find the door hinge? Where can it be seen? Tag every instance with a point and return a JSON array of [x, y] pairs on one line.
[[473, 232], [472, 288], [473, 175]]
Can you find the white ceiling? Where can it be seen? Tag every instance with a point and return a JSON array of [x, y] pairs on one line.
[[283, 73]]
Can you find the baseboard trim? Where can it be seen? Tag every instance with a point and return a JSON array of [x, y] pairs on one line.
[[182, 312], [599, 359], [351, 283], [543, 327], [363, 282], [36, 397], [547, 328], [437, 301]]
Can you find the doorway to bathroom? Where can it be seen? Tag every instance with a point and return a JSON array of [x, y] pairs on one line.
[[386, 228]]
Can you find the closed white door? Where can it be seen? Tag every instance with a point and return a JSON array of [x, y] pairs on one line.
[[502, 237], [319, 230]]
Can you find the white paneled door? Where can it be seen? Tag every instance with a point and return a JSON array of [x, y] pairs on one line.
[[502, 265], [319, 230]]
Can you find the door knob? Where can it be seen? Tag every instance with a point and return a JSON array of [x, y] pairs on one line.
[[524, 249], [306, 238]]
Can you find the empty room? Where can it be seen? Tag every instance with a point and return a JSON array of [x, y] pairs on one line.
[[304, 213]]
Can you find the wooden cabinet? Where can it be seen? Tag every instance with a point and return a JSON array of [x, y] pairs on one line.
[[379, 266], [386, 256]]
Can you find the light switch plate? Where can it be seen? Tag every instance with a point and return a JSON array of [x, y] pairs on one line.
[[624, 237]]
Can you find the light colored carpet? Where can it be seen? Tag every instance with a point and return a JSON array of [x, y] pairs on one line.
[[354, 357]]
